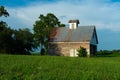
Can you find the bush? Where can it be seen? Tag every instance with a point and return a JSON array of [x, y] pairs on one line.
[[82, 52]]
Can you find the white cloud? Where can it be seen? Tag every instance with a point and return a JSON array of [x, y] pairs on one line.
[[101, 13]]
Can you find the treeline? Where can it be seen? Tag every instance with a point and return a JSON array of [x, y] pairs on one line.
[[108, 53], [14, 41], [22, 41]]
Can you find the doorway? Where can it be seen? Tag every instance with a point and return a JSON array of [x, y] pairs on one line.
[[73, 53]]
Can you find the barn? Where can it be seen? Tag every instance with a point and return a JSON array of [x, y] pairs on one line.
[[65, 41]]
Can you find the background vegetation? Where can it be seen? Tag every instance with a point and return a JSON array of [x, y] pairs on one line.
[[22, 41], [12, 41], [108, 53]]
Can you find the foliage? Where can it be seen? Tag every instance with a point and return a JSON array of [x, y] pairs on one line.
[[14, 41], [108, 53], [43, 27], [43, 51], [6, 40], [3, 11], [62, 25], [18, 67], [82, 52], [23, 38], [5, 32]]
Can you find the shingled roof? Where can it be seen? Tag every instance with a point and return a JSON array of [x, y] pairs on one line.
[[64, 34]]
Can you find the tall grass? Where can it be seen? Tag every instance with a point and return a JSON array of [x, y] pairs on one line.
[[19, 67]]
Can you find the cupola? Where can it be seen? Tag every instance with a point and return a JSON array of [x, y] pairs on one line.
[[73, 24]]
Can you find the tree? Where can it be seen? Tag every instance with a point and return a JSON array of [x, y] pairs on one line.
[[6, 40], [5, 33], [14, 41], [23, 41], [3, 11], [43, 27], [82, 52], [62, 25]]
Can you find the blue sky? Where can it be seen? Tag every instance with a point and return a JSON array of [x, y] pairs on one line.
[[104, 14]]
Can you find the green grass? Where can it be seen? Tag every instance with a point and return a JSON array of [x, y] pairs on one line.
[[20, 67]]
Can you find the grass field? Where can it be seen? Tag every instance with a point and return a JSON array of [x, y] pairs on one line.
[[29, 67]]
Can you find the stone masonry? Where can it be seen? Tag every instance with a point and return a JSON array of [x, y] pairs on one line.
[[63, 48]]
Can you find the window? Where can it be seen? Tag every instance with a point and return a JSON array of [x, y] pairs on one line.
[[73, 53]]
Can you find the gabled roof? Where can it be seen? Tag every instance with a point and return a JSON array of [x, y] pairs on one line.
[[74, 21], [64, 34]]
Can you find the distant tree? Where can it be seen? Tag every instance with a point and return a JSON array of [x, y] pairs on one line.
[[82, 52], [43, 27], [23, 41], [62, 25], [14, 41], [5, 32], [6, 40]]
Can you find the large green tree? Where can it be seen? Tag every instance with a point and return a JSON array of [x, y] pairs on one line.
[[43, 27]]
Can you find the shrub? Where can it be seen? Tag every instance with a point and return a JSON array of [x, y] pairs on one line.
[[82, 52]]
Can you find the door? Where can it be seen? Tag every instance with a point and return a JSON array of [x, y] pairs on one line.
[[73, 52]]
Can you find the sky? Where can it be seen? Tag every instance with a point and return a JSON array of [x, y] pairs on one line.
[[104, 14]]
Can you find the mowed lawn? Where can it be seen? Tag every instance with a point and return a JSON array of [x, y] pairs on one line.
[[29, 67]]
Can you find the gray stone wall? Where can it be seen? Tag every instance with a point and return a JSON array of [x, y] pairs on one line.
[[63, 48]]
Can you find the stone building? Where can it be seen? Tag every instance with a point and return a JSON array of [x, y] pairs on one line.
[[66, 41]]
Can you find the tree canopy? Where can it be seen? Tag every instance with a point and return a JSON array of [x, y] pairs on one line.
[[3, 11], [43, 27], [14, 41], [21, 41]]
